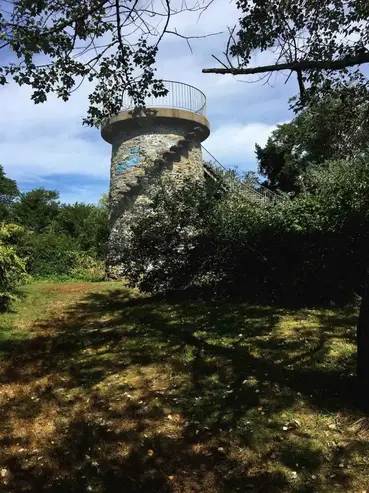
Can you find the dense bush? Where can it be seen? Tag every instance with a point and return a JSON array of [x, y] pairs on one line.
[[51, 255], [310, 249], [47, 253], [87, 224], [58, 240], [85, 267], [12, 267]]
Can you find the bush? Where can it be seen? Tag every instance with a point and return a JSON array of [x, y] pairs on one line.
[[48, 254], [12, 267], [87, 224], [85, 268], [58, 256], [165, 231], [312, 249]]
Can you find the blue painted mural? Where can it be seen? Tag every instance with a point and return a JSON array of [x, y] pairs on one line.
[[132, 160]]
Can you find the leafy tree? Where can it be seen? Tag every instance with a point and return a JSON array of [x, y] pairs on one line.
[[12, 267], [72, 218], [114, 44], [8, 192], [60, 239], [323, 42], [281, 160], [48, 254], [36, 209], [76, 221], [86, 223], [327, 130], [111, 43], [161, 251], [100, 221]]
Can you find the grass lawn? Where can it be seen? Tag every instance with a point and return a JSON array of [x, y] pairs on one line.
[[106, 391]]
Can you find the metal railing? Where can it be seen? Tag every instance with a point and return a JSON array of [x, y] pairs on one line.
[[180, 95], [258, 191]]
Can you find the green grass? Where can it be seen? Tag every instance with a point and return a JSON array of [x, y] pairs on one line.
[[105, 390]]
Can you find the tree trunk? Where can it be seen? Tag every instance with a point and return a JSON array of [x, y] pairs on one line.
[[363, 345]]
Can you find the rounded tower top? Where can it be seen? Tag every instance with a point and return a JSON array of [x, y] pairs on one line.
[[182, 102]]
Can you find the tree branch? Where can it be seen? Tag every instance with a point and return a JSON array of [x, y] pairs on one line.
[[69, 22], [194, 37], [342, 63], [119, 27]]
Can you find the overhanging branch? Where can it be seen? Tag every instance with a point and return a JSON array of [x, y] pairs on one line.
[[295, 66]]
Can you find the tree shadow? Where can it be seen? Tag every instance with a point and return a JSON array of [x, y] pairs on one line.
[[131, 394]]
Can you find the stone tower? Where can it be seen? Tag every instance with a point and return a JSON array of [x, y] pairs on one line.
[[144, 148]]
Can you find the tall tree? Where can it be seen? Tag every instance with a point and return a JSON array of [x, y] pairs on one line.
[[36, 209], [86, 223], [323, 42], [330, 129], [8, 192]]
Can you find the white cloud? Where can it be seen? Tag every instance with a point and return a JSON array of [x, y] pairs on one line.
[[40, 141], [234, 144]]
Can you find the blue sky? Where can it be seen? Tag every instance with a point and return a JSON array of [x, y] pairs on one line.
[[46, 145]]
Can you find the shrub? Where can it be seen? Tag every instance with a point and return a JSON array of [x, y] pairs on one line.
[[48, 254], [58, 256], [12, 267], [312, 249], [85, 268]]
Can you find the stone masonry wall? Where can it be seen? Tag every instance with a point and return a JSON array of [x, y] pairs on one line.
[[132, 172]]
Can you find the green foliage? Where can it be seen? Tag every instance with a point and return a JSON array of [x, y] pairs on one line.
[[48, 254], [12, 267], [8, 192], [287, 251], [58, 256], [331, 129], [158, 255], [307, 30], [87, 224], [96, 41], [85, 268], [279, 162], [36, 209], [64, 32], [59, 239]]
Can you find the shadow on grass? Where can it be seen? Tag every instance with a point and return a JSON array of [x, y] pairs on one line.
[[139, 395]]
